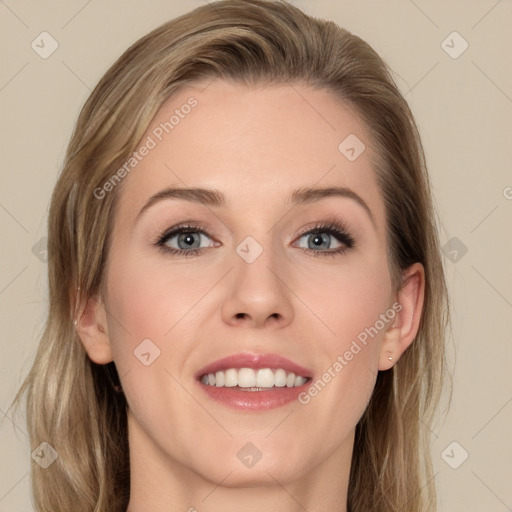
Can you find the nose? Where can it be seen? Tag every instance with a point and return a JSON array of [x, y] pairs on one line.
[[258, 296]]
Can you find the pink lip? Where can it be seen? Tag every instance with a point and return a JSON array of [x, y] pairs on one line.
[[255, 361], [240, 399]]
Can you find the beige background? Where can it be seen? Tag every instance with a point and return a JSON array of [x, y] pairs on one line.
[[463, 107]]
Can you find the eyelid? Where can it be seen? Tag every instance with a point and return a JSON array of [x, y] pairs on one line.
[[333, 229], [198, 227], [327, 225]]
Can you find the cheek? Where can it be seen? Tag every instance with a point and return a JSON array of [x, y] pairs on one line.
[[154, 312], [148, 300], [348, 300], [143, 306], [335, 403], [355, 310], [340, 394]]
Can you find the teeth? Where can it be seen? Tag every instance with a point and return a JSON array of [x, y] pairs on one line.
[[230, 378], [246, 378], [280, 376], [263, 378], [219, 379]]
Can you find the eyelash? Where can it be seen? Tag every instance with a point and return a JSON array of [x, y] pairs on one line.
[[336, 229]]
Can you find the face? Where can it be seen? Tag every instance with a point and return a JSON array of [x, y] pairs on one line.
[[277, 280]]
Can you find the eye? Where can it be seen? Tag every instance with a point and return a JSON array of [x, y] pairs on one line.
[[327, 239], [184, 240]]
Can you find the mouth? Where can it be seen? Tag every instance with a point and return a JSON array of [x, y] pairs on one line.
[[254, 381]]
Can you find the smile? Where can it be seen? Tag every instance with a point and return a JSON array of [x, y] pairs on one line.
[[253, 381]]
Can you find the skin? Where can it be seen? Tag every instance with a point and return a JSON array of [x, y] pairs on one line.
[[255, 145]]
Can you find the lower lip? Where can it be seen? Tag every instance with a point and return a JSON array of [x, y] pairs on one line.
[[237, 398]]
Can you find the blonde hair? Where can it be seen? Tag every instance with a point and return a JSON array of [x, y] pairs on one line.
[[70, 401]]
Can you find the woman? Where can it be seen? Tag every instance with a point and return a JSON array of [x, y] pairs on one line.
[[247, 298]]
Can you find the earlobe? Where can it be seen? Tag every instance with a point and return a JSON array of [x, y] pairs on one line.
[[405, 326], [91, 327]]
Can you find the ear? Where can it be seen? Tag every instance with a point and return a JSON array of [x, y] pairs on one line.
[[405, 326], [91, 327]]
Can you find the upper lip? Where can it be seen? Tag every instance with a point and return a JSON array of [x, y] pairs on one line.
[[255, 361]]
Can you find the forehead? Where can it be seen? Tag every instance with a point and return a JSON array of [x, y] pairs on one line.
[[255, 144]]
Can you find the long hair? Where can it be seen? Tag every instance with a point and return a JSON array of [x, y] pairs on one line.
[[70, 401]]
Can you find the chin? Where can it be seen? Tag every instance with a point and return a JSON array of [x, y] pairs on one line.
[[248, 466]]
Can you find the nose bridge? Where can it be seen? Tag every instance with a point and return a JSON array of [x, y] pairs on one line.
[[258, 294]]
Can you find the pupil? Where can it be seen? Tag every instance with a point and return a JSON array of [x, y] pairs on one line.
[[188, 238], [319, 240]]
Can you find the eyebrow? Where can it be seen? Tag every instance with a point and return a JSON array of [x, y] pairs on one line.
[[215, 198]]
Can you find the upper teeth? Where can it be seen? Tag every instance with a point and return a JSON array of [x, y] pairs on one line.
[[249, 378]]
